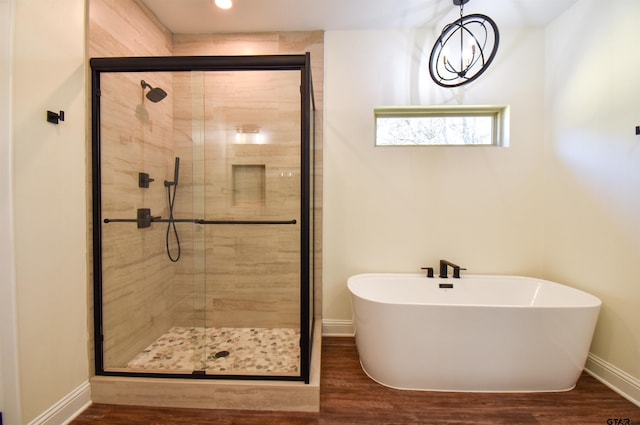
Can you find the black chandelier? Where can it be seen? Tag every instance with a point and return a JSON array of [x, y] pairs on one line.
[[464, 50]]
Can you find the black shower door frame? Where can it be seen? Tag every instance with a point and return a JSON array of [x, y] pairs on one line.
[[300, 63]]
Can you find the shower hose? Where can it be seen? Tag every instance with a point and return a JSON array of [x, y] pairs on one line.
[[171, 224]]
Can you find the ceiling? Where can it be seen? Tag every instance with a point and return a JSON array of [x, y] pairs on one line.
[[201, 16]]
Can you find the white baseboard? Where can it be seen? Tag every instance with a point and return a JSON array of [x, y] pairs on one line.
[[618, 380], [66, 410], [332, 327]]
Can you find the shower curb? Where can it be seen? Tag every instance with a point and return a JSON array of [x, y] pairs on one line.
[[292, 396]]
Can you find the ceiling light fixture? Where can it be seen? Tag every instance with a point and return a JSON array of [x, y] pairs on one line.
[[224, 4], [464, 50]]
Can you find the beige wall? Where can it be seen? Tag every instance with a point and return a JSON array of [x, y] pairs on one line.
[[592, 161], [49, 204], [125, 28], [399, 209], [9, 379]]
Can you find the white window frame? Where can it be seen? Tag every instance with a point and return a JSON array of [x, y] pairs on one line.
[[498, 113]]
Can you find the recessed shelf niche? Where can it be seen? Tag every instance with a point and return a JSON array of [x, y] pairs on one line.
[[248, 184]]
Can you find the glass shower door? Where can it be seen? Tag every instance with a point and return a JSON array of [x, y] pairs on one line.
[[148, 275], [252, 157], [201, 219]]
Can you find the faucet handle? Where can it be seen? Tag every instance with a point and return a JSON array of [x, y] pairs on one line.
[[429, 271], [456, 272]]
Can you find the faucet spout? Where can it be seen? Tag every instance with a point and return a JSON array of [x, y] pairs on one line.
[[444, 264]]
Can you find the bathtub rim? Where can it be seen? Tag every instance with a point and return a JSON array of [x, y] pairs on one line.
[[596, 301]]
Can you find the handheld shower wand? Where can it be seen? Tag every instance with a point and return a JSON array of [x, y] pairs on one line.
[[171, 200], [176, 173]]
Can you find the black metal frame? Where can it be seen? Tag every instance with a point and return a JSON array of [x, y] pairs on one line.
[[210, 63], [459, 77]]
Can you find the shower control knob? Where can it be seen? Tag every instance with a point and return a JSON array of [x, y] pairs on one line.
[[144, 180]]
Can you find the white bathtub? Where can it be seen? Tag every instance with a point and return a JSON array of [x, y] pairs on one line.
[[486, 333]]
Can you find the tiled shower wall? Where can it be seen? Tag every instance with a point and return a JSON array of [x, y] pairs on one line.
[[247, 275], [212, 284], [137, 277], [136, 137], [251, 271]]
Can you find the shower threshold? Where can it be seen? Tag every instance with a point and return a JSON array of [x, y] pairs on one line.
[[292, 396], [224, 351]]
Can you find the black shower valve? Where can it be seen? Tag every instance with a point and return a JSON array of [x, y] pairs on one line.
[[144, 180], [145, 218]]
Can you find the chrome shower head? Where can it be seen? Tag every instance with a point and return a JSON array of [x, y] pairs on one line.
[[155, 94]]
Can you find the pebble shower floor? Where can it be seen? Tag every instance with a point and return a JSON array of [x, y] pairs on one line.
[[229, 351]]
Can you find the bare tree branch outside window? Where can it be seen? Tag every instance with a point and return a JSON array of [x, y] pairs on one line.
[[432, 126]]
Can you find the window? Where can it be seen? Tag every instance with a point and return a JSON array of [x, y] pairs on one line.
[[442, 126]]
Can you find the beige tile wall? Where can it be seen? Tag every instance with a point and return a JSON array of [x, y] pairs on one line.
[[227, 275], [267, 292], [251, 276], [136, 136], [137, 275]]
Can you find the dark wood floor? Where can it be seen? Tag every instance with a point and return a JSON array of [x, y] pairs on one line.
[[348, 396]]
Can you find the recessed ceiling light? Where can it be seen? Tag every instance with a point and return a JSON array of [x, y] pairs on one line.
[[224, 4]]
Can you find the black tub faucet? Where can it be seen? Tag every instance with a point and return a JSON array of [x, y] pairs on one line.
[[443, 269]]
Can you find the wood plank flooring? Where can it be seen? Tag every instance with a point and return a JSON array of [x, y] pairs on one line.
[[348, 396]]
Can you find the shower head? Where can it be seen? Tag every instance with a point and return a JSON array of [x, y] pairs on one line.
[[155, 94]]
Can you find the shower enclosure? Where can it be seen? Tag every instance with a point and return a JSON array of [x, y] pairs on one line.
[[203, 216]]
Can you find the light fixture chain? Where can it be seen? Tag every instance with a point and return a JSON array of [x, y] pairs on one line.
[[462, 67]]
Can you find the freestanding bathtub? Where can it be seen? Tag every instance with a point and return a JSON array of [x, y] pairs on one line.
[[477, 333]]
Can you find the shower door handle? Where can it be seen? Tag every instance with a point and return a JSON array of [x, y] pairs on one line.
[[294, 221], [145, 219]]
